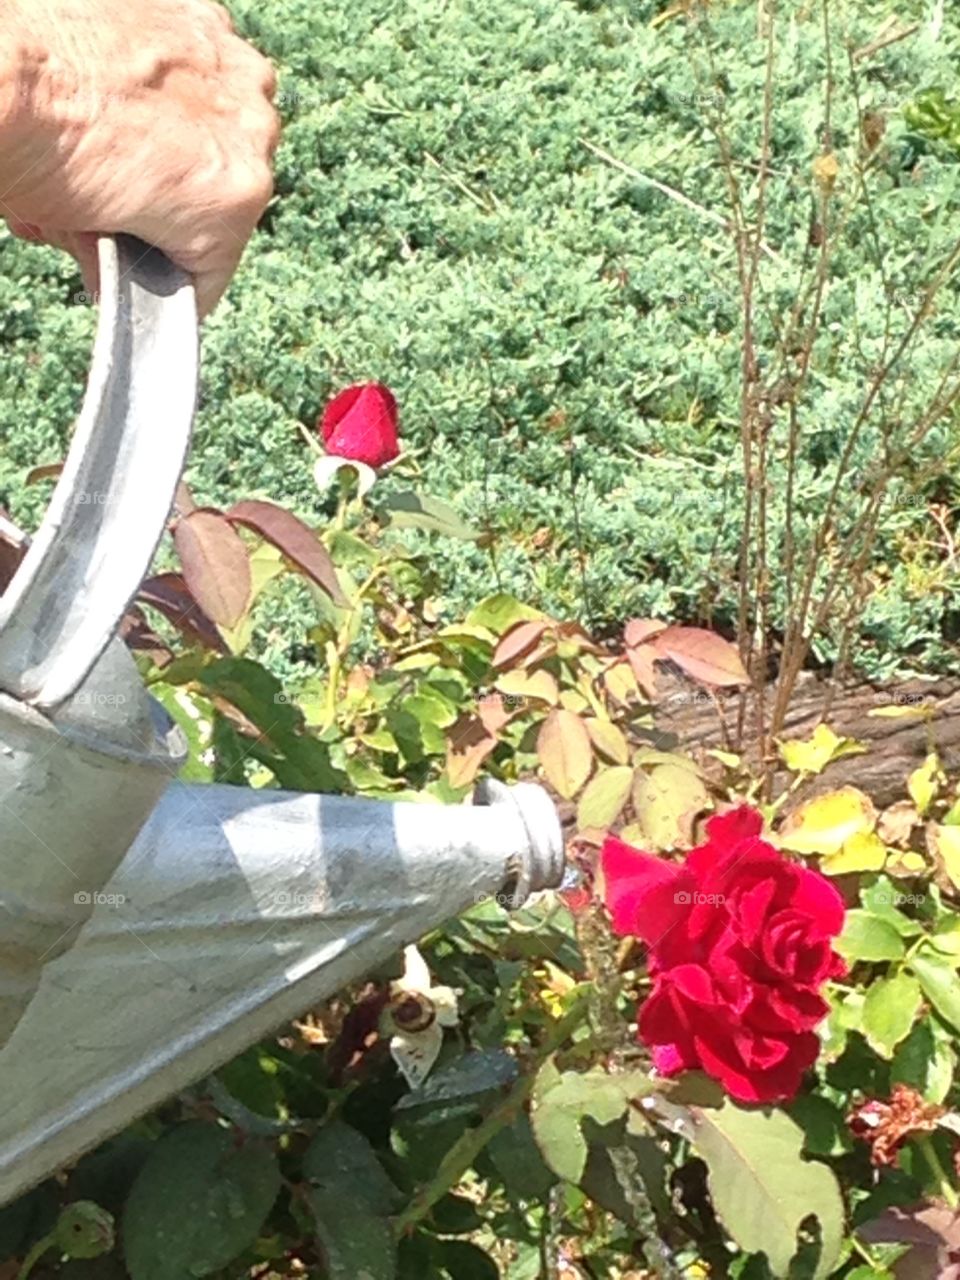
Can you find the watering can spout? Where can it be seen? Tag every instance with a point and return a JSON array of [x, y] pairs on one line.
[[233, 912]]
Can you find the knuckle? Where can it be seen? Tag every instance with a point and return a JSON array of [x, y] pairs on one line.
[[219, 14], [252, 191]]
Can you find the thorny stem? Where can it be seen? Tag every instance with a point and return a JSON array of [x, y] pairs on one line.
[[35, 1254], [465, 1150]]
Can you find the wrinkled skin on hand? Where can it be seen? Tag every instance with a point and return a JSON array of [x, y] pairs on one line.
[[154, 119]]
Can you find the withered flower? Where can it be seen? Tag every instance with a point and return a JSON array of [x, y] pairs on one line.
[[888, 1125]]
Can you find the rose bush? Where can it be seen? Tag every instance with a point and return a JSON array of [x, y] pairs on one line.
[[740, 943], [360, 424]]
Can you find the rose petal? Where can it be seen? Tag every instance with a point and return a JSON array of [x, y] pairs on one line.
[[631, 879]]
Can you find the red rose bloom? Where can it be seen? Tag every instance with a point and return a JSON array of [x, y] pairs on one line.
[[361, 424], [740, 944]]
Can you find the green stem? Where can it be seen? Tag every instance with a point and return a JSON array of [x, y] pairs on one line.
[[35, 1254], [465, 1150], [944, 1185]]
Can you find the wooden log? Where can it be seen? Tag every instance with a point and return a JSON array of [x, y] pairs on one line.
[[687, 719]]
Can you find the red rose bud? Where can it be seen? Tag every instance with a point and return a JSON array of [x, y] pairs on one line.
[[739, 945], [361, 424]]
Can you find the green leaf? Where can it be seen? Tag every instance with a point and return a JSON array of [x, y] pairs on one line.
[[357, 1243], [199, 1201], [889, 1010], [866, 937], [409, 510], [762, 1188], [496, 614], [926, 1060], [824, 1127], [455, 1215], [940, 984], [518, 1161], [562, 1101], [341, 1160], [477, 1072], [194, 716], [300, 761], [626, 1174], [881, 898], [462, 1260]]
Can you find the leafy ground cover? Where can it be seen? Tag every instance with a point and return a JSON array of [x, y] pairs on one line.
[[563, 337]]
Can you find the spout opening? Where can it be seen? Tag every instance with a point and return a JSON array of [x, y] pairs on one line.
[[540, 865]]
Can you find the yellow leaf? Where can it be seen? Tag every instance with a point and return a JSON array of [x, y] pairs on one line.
[[621, 683], [944, 844], [604, 797], [574, 701], [825, 171], [864, 851], [825, 823], [924, 783], [815, 753], [905, 864], [563, 746], [608, 740], [902, 711], [521, 684], [668, 801], [726, 758], [634, 834]]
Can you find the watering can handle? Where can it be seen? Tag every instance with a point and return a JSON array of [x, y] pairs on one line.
[[113, 499]]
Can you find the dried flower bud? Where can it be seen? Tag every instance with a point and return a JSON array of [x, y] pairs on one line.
[[886, 1126]]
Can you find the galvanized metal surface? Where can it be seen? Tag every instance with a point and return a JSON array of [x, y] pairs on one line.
[[78, 778], [108, 510], [233, 912]]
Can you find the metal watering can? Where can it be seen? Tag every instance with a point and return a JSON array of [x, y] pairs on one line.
[[150, 930]]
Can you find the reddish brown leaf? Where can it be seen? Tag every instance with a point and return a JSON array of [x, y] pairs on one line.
[[641, 658], [518, 641], [183, 499], [216, 565], [48, 471], [13, 547], [702, 655], [139, 636], [934, 1232], [468, 745], [294, 539], [638, 630], [494, 713], [170, 595]]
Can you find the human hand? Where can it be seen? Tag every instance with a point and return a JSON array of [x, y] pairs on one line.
[[153, 119]]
